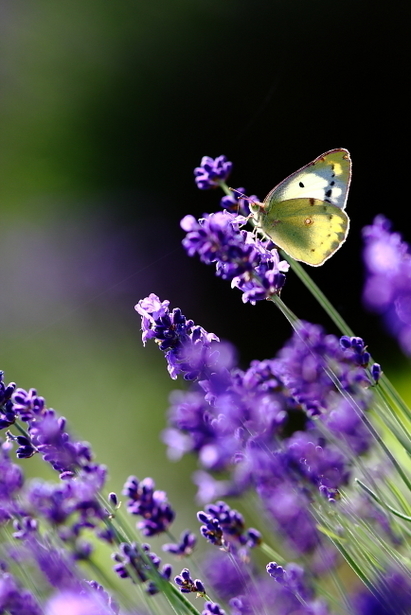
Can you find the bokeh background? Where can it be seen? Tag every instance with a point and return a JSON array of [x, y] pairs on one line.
[[106, 107]]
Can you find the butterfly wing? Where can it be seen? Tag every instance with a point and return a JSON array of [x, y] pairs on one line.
[[327, 179], [309, 230]]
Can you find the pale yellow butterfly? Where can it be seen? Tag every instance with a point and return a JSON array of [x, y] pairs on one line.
[[304, 215]]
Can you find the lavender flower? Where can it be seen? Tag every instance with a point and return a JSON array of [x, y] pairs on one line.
[[252, 265], [387, 289], [227, 574], [138, 563], [47, 435], [185, 547], [187, 585], [234, 421], [307, 364], [392, 596], [187, 347], [221, 520], [149, 503], [7, 411], [28, 405], [292, 577], [212, 172], [16, 600], [74, 603], [11, 482], [237, 203], [212, 608]]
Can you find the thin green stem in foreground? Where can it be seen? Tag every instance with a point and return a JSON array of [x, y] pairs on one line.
[[378, 500], [320, 297]]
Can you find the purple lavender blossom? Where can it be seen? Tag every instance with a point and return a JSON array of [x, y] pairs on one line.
[[137, 562], [187, 347], [238, 425], [376, 371], [185, 547], [187, 585], [262, 596], [212, 172], [113, 499], [219, 428], [76, 603], [227, 574], [149, 503], [47, 435], [358, 352], [357, 348], [11, 481], [288, 508], [391, 596], [211, 529], [7, 411], [320, 462], [292, 577], [57, 565], [105, 596], [212, 608], [16, 600], [252, 264], [306, 363], [74, 500], [26, 448], [27, 404], [221, 520], [237, 203], [387, 288]]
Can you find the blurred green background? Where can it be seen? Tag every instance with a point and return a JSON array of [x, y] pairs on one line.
[[106, 108]]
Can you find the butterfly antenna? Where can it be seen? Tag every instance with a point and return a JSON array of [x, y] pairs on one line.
[[241, 194], [244, 196]]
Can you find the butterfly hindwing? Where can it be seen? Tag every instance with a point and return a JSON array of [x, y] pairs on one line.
[[310, 236]]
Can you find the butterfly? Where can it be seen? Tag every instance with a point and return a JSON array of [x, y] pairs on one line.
[[304, 215]]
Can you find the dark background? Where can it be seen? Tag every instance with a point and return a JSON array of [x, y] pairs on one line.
[[106, 108]]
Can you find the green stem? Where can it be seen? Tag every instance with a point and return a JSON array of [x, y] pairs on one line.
[[271, 553], [319, 295], [378, 500], [290, 316], [225, 188]]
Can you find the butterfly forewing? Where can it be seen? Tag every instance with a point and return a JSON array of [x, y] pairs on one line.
[[327, 179]]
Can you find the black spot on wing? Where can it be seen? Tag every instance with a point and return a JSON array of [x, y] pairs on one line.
[[301, 184]]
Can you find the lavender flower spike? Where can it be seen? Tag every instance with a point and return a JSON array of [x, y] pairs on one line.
[[388, 286], [212, 172], [187, 347], [149, 503], [185, 547], [251, 264], [187, 585]]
